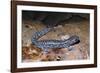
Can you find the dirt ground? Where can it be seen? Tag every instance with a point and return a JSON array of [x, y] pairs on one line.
[[80, 51]]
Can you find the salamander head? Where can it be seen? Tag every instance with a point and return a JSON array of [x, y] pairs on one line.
[[73, 40]]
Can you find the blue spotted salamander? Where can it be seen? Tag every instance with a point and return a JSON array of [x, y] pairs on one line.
[[50, 44]]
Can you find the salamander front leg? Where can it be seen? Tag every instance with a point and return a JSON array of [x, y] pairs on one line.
[[70, 48], [45, 51]]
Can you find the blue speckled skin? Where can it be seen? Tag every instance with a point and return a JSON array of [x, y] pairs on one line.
[[50, 44]]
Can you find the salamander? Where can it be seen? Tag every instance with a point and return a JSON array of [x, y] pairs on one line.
[[51, 44]]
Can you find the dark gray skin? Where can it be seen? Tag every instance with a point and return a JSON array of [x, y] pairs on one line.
[[51, 44]]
